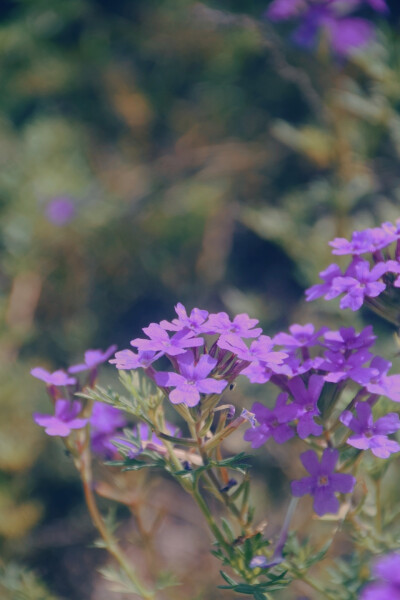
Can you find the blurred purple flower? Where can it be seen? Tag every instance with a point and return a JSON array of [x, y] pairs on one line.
[[57, 378], [388, 569], [60, 211], [93, 358], [273, 423], [192, 379], [370, 435], [105, 421], [320, 289], [345, 33], [323, 482], [64, 420], [126, 359], [362, 242]]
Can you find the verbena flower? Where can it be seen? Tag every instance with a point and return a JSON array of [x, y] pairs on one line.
[[272, 422], [195, 321], [242, 325], [192, 379], [381, 383], [161, 342], [386, 569], [126, 359], [341, 367], [321, 289], [363, 242], [105, 421], [347, 339], [370, 435], [305, 401], [60, 211], [333, 18], [301, 336], [93, 358], [323, 482], [64, 419], [56, 378]]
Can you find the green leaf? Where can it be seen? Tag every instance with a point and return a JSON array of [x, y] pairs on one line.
[[228, 579]]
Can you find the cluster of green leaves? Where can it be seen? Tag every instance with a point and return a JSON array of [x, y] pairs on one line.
[[19, 583]]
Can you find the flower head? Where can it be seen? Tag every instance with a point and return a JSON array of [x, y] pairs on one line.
[[273, 423], [386, 569], [60, 211], [64, 420], [323, 482], [105, 421], [93, 358], [56, 378], [126, 359], [161, 342], [192, 380], [305, 400], [370, 435], [194, 322]]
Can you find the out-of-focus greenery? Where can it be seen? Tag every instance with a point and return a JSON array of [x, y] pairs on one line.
[[209, 161]]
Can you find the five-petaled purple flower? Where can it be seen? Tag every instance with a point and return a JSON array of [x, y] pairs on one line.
[[57, 378], [387, 569], [64, 420], [272, 423], [192, 380], [323, 482], [301, 336], [195, 321], [161, 342], [305, 400], [126, 359], [93, 358], [370, 435], [242, 325]]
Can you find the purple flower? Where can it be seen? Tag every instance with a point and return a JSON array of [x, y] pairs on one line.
[[241, 325], [329, 16], [323, 482], [386, 568], [359, 282], [301, 336], [64, 419], [347, 339], [259, 350], [192, 379], [161, 342], [146, 438], [320, 289], [56, 378], [60, 211], [370, 435], [381, 383], [194, 322], [126, 359], [93, 358], [273, 423], [362, 242], [105, 420], [341, 367], [306, 401]]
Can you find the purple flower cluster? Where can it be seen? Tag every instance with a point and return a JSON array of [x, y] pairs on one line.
[[332, 18], [387, 570], [206, 351], [314, 359], [363, 280]]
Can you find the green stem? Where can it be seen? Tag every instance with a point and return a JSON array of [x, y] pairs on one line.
[[109, 540], [316, 586]]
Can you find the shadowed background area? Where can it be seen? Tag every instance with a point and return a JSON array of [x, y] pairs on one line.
[[152, 152]]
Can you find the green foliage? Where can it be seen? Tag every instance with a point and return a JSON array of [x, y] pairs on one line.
[[19, 583]]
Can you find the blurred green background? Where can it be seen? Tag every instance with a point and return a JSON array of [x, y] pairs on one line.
[[208, 161]]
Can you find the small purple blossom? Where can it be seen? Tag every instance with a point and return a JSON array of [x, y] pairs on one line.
[[305, 400], [272, 423], [242, 325], [346, 339], [301, 336], [194, 322], [93, 358], [105, 421], [320, 289], [370, 435], [387, 569], [126, 359], [260, 349], [64, 420], [161, 342], [323, 483], [341, 367], [56, 378], [192, 380], [363, 242], [60, 211]]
